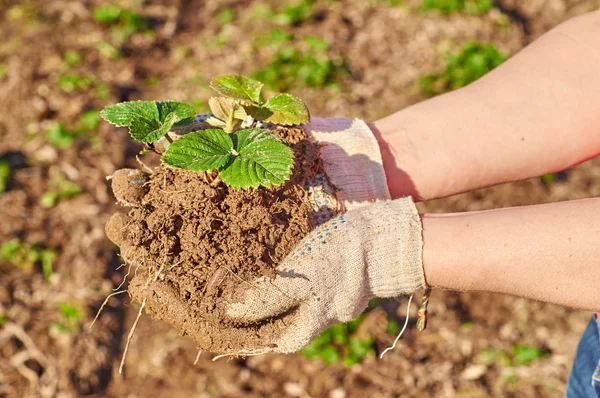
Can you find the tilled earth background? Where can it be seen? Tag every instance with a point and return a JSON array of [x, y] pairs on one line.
[[61, 61]]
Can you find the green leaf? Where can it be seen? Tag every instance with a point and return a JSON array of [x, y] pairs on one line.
[[200, 151], [523, 354], [107, 14], [181, 114], [124, 113], [49, 200], [47, 257], [260, 160], [258, 112], [59, 136], [4, 174], [146, 130], [89, 120], [239, 87], [71, 312], [287, 110], [148, 120], [330, 355]]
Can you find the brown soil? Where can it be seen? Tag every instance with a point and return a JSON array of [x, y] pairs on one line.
[[193, 241]]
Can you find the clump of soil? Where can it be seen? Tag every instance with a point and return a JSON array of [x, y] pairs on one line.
[[193, 241]]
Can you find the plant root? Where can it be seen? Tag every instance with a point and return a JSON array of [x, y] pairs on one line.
[[102, 306], [197, 357], [130, 336], [139, 315], [402, 331]]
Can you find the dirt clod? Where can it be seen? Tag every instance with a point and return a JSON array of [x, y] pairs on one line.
[[129, 186], [195, 240]]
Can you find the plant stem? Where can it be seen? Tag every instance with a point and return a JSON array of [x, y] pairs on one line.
[[168, 138]]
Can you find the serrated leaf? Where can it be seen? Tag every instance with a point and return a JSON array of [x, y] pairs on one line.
[[183, 114], [149, 120], [261, 160], [124, 113], [239, 87], [287, 110], [145, 130], [200, 151]]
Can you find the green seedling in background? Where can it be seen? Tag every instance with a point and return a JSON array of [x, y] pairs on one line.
[[243, 158], [71, 318], [339, 343], [72, 58], [25, 256], [4, 174], [2, 319], [225, 16], [521, 355], [524, 354], [292, 65], [293, 14], [71, 83], [61, 137], [273, 37], [107, 50], [474, 61], [124, 23], [471, 7], [60, 189]]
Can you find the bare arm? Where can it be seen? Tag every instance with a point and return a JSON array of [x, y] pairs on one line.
[[537, 113], [548, 252]]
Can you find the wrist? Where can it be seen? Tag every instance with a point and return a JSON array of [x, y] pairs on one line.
[[443, 258]]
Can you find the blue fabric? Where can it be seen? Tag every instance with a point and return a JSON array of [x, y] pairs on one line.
[[584, 380]]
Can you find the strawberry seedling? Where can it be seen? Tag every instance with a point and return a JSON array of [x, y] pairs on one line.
[[243, 158]]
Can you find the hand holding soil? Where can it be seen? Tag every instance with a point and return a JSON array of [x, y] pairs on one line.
[[195, 244]]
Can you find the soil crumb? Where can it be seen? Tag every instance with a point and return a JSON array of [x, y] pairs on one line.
[[192, 241]]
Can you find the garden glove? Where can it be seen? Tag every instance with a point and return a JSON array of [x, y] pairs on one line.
[[372, 251], [353, 166]]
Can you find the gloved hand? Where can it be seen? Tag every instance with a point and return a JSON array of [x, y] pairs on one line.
[[372, 251], [354, 181]]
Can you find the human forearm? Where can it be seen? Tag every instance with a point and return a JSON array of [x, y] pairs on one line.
[[546, 252], [537, 113]]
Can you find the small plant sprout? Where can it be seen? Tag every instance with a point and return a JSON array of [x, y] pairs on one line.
[[25, 256], [71, 317], [4, 175], [244, 158]]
